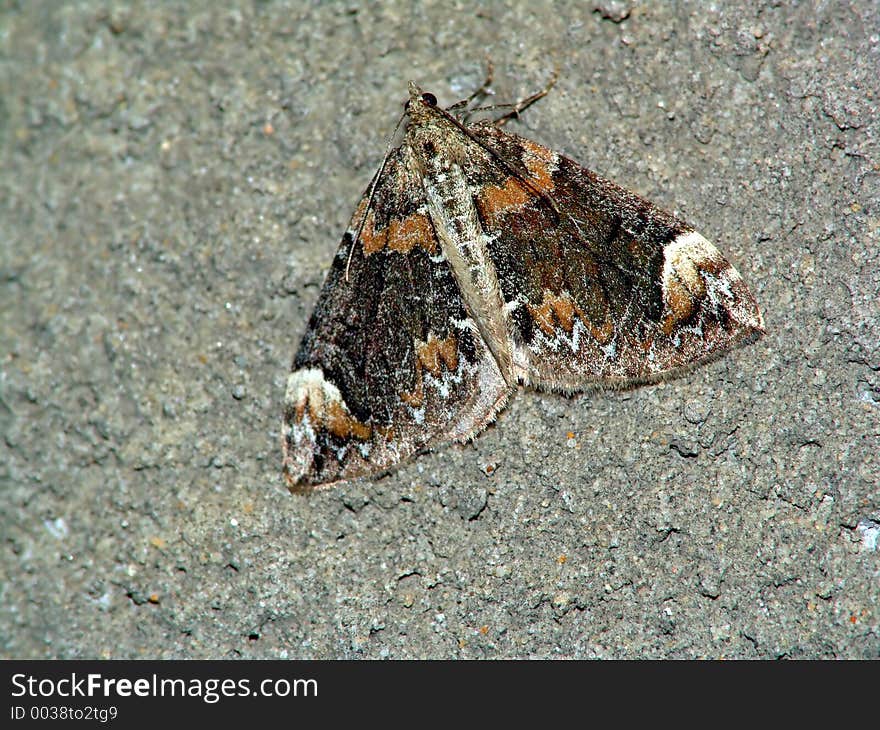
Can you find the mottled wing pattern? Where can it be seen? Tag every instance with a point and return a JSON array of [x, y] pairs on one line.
[[390, 361], [602, 285]]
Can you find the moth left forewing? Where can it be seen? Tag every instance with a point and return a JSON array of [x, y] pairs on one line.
[[603, 286], [389, 363]]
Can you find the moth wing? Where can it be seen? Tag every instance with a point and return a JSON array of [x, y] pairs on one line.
[[390, 361], [602, 285]]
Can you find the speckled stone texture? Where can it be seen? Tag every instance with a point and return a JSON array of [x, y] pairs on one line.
[[173, 185]]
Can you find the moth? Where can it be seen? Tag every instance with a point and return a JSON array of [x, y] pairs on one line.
[[478, 261]]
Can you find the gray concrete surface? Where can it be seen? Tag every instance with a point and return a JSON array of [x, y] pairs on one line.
[[175, 180]]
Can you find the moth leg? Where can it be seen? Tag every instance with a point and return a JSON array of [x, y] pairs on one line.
[[521, 106], [481, 90]]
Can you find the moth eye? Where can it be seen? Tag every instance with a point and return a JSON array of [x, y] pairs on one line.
[[429, 147], [429, 99]]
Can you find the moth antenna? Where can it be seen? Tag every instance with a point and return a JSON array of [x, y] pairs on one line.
[[357, 234]]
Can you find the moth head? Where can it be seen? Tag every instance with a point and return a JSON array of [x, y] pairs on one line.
[[419, 99]]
